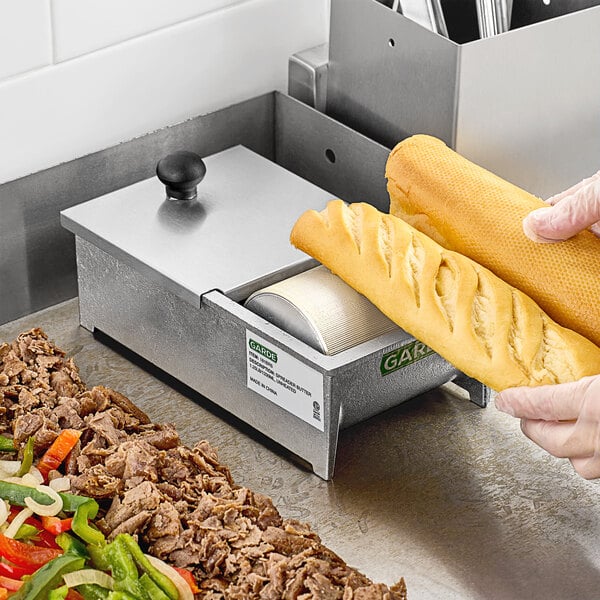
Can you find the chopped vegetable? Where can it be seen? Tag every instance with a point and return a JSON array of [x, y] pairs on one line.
[[3, 593], [55, 525], [59, 593], [81, 526], [89, 577], [152, 590], [58, 451], [10, 584], [188, 577], [186, 592], [93, 592], [45, 509], [147, 566], [14, 571], [123, 568], [25, 555], [26, 532], [7, 444], [27, 460], [48, 577], [17, 521], [71, 545]]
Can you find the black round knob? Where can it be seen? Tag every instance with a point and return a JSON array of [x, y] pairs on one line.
[[181, 172]]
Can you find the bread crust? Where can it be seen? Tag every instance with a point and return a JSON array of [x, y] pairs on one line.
[[486, 328], [470, 210]]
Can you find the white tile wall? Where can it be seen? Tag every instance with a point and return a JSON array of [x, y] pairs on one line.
[[25, 32], [108, 84], [82, 26]]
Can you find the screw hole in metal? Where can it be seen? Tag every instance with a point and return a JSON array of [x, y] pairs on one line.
[[330, 155]]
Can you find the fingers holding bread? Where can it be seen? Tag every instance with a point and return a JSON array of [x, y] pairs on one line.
[[485, 327]]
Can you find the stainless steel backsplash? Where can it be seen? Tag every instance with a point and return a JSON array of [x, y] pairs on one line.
[[37, 256]]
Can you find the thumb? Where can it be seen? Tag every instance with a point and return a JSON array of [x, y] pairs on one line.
[[566, 218]]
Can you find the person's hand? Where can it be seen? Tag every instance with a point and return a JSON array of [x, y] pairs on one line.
[[567, 213], [563, 419]]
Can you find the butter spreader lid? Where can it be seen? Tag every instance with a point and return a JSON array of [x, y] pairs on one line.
[[234, 234]]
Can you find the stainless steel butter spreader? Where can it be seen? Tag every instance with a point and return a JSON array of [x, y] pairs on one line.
[[166, 276]]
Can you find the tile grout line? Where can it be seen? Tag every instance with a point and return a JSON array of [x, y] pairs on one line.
[[52, 30]]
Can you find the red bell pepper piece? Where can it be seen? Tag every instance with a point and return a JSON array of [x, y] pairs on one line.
[[14, 571], [189, 579], [58, 451], [43, 537], [12, 585], [55, 525], [26, 555]]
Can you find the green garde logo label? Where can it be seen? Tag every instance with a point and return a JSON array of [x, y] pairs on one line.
[[262, 350], [403, 356]]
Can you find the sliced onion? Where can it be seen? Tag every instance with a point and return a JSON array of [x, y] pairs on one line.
[[16, 523], [3, 512], [30, 480], [85, 576], [45, 510], [35, 472], [184, 590], [60, 484], [10, 467]]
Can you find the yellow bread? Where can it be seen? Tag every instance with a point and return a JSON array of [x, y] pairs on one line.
[[472, 211], [482, 325]]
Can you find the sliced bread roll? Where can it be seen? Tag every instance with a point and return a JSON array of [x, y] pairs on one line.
[[485, 327], [472, 211]]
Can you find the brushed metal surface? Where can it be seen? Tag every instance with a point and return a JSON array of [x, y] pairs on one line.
[[37, 255], [330, 154], [528, 108], [451, 497], [523, 104], [235, 234], [389, 77], [204, 348]]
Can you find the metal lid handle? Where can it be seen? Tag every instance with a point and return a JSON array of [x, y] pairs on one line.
[[181, 172]]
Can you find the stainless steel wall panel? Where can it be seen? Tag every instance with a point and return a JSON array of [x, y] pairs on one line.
[[389, 77], [329, 154]]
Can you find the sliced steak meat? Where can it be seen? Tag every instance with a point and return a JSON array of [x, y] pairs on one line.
[[181, 503]]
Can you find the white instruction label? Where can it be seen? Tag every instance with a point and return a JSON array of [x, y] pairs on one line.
[[284, 380]]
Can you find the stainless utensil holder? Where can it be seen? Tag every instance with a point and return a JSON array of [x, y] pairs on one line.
[[524, 104]]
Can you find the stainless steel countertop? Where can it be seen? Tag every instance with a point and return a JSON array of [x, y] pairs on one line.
[[437, 490]]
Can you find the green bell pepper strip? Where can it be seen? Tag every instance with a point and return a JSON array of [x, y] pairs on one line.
[[120, 561], [120, 595], [163, 582], [26, 532], [91, 591], [27, 459], [153, 591], [16, 493], [123, 569], [98, 557], [71, 545], [83, 514], [7, 444], [84, 508], [48, 577], [59, 593]]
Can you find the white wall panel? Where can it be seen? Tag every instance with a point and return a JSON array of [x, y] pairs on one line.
[[86, 104], [82, 26], [25, 36]]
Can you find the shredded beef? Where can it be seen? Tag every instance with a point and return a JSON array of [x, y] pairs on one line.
[[181, 503]]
